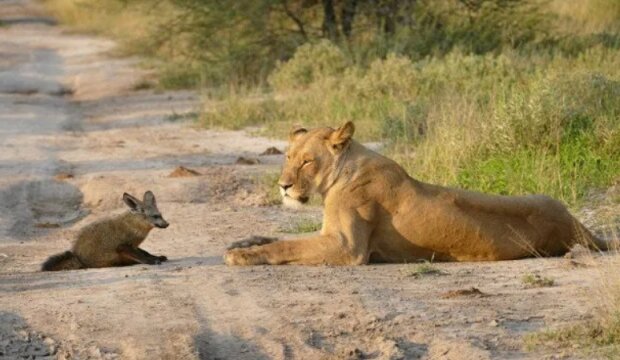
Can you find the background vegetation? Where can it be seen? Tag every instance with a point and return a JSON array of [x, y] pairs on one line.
[[503, 96]]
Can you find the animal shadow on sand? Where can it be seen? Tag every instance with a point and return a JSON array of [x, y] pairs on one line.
[[211, 345], [18, 341]]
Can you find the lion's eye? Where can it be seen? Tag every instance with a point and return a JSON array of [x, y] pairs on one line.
[[306, 162]]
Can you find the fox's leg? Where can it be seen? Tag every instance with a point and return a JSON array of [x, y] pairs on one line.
[[252, 241], [344, 242], [130, 253], [161, 258]]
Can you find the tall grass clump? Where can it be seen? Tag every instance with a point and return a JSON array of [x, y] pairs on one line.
[[555, 134]]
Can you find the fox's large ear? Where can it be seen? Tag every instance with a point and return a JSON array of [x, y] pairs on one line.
[[149, 199], [296, 132], [341, 136], [132, 202]]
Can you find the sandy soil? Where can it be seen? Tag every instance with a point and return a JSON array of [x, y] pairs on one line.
[[74, 137]]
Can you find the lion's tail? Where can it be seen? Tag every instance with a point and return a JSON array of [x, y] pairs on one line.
[[63, 261], [602, 241]]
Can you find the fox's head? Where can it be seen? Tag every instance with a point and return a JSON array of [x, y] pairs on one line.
[[146, 208]]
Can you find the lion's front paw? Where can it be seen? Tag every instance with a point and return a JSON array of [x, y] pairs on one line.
[[251, 241], [242, 257]]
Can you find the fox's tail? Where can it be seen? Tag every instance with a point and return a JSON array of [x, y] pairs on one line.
[[63, 261]]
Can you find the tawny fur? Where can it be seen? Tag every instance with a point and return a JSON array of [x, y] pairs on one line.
[[111, 242], [374, 211]]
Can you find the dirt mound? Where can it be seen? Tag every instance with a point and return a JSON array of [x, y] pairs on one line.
[[105, 192], [271, 151], [53, 201], [63, 176], [456, 349], [472, 292], [246, 161], [182, 171], [43, 203]]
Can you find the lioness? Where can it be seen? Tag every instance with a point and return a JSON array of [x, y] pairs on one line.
[[375, 212]]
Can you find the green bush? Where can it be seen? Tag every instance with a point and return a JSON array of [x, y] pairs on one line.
[[311, 63]]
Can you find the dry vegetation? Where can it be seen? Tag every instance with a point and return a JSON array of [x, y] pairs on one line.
[[507, 97], [536, 280], [597, 336], [423, 269]]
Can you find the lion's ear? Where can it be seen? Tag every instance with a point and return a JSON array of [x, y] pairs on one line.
[[341, 136], [295, 132]]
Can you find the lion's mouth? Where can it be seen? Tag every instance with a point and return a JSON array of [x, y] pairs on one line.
[[301, 199]]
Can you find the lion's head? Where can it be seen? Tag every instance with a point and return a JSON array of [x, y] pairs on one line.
[[311, 161]]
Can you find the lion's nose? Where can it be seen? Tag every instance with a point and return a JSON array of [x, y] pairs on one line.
[[285, 186]]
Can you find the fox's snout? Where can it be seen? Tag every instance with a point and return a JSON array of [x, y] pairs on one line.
[[162, 224]]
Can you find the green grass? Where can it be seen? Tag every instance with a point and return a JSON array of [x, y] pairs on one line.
[[423, 269], [186, 116], [305, 225], [176, 76], [535, 280], [595, 338], [237, 112]]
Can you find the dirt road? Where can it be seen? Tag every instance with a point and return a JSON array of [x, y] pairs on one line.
[[74, 136]]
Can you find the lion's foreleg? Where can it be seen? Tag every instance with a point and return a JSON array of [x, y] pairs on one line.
[[317, 250], [343, 241], [251, 241]]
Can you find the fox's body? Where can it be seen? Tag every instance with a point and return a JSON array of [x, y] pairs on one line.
[[96, 244], [113, 241]]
